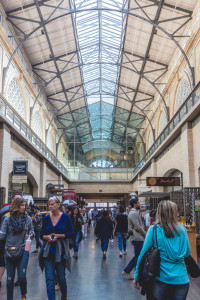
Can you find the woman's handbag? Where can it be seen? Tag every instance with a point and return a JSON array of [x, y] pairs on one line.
[[15, 253], [149, 267], [192, 267]]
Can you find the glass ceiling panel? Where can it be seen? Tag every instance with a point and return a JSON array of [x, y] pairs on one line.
[[100, 62]]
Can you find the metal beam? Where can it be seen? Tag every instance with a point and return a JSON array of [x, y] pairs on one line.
[[24, 7]]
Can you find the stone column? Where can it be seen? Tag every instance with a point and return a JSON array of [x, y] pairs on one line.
[[43, 177], [5, 143], [187, 156]]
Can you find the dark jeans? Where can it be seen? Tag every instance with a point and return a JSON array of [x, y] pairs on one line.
[[76, 241], [104, 244], [163, 291], [122, 240], [21, 266], [50, 268], [132, 264], [37, 238]]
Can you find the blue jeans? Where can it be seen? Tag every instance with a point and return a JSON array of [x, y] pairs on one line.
[[21, 266], [122, 240], [37, 238], [104, 244], [163, 291], [50, 268], [76, 241], [132, 264]]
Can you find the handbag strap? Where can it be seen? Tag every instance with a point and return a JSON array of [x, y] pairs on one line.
[[155, 233]]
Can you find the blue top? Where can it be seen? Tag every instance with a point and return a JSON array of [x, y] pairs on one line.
[[172, 253], [63, 226]]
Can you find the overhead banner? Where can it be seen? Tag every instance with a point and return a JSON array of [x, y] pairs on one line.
[[163, 181], [20, 167], [69, 195]]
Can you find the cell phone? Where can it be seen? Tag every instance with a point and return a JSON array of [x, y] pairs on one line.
[[52, 236]]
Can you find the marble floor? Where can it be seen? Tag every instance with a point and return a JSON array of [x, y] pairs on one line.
[[92, 278]]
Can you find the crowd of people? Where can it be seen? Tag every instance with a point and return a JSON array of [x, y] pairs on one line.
[[59, 231]]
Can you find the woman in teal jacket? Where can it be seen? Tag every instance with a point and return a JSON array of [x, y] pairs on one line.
[[173, 283]]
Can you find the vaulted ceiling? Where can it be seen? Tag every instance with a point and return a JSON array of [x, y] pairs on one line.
[[101, 62]]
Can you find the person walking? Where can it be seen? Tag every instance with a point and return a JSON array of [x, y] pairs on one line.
[[135, 225], [85, 222], [113, 222], [122, 230], [77, 221], [14, 231], [103, 230], [4, 212], [173, 283], [37, 223], [55, 254]]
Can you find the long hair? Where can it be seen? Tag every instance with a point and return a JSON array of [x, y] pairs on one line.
[[72, 213], [166, 216], [16, 206], [56, 200]]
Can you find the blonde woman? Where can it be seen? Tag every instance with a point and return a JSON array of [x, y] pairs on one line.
[[56, 229], [173, 283], [14, 230]]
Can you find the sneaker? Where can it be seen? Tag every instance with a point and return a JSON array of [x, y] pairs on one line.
[[35, 252], [111, 241], [104, 256], [128, 276], [125, 252]]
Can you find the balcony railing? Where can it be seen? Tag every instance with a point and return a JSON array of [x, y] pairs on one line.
[[185, 108], [18, 123]]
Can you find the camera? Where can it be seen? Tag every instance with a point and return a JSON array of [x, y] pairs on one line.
[[130, 232]]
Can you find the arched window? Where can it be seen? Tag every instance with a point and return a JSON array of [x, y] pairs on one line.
[[36, 124], [150, 141], [14, 97], [183, 92], [50, 142], [162, 122]]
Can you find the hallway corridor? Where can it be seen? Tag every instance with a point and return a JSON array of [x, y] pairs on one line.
[[91, 277]]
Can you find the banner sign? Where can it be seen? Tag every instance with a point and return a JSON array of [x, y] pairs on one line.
[[163, 181], [20, 167], [69, 195]]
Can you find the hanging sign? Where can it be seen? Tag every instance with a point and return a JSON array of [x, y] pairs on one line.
[[69, 195], [163, 181], [20, 167]]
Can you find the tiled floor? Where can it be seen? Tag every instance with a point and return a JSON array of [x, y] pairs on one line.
[[91, 277]]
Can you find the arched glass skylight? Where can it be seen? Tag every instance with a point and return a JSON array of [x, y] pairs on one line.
[[100, 39]]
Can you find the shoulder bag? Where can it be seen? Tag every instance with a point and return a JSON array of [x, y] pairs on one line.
[[149, 267], [15, 253], [192, 267]]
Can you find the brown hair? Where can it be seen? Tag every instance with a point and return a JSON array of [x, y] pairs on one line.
[[166, 216], [16, 206]]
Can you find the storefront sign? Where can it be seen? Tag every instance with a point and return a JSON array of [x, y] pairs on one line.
[[144, 188], [69, 195], [163, 181], [20, 167], [19, 179]]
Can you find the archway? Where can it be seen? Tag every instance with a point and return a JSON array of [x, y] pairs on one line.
[[173, 173], [29, 188]]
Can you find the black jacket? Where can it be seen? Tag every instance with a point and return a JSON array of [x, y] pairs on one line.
[[104, 228]]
